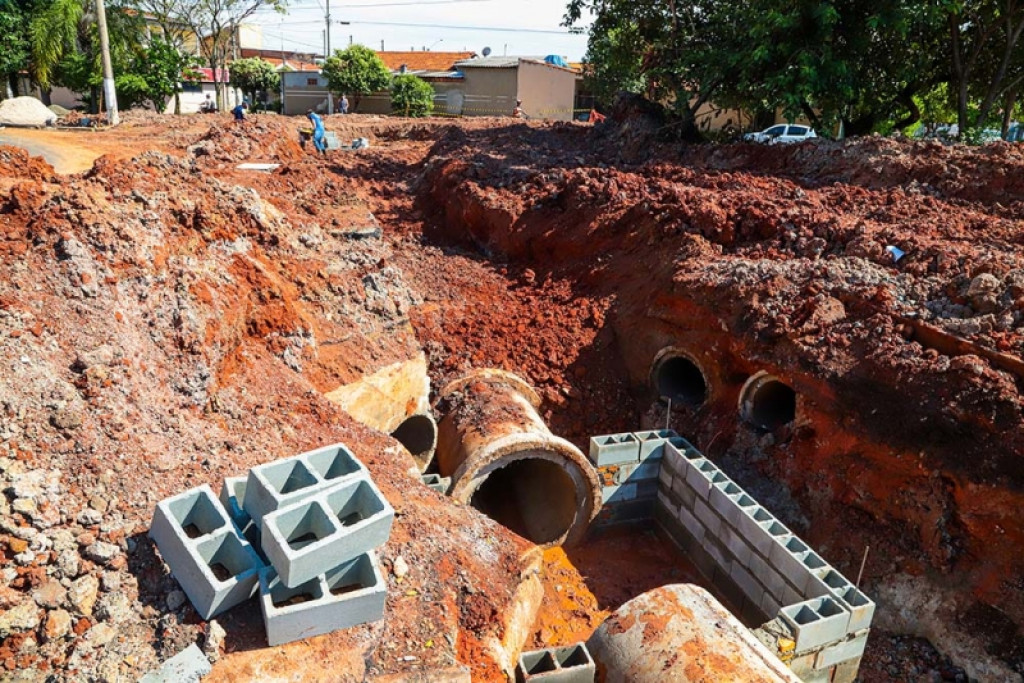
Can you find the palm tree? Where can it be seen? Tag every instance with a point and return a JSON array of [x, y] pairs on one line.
[[54, 33]]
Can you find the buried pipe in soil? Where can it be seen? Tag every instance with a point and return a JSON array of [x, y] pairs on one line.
[[505, 462], [766, 402], [677, 376]]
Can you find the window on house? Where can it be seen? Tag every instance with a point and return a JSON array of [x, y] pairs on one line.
[[312, 81]]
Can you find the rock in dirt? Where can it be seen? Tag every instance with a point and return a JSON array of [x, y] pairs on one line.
[[214, 643], [25, 111], [188, 666], [57, 625], [82, 594], [24, 617]]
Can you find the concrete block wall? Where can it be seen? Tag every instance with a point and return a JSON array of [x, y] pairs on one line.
[[316, 519], [572, 664], [818, 620], [629, 465]]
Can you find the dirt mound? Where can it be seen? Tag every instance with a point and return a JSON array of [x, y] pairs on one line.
[[16, 163], [269, 139], [25, 111]]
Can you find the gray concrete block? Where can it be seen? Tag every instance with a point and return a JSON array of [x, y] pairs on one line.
[[436, 482], [775, 584], [665, 477], [679, 534], [622, 493], [211, 560], [720, 497], [572, 664], [861, 607], [832, 655], [674, 462], [747, 583], [283, 482], [769, 606], [614, 449], [735, 544], [750, 527], [741, 505], [699, 475], [686, 495], [188, 666], [652, 443], [692, 524], [815, 569], [627, 512], [703, 512], [718, 551], [816, 622], [351, 594], [775, 532], [681, 444], [666, 501], [728, 588], [646, 489], [787, 557], [333, 527], [232, 493]]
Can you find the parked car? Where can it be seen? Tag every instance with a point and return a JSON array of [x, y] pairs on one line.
[[782, 133]]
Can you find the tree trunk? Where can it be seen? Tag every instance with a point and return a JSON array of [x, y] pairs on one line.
[[44, 95], [906, 98], [9, 90], [1009, 102], [177, 103]]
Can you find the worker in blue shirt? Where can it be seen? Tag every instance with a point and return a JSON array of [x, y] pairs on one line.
[[239, 111], [318, 131]]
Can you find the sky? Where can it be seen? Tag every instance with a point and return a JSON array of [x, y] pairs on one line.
[[528, 27]]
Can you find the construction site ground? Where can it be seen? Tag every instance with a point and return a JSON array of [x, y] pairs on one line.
[[167, 320]]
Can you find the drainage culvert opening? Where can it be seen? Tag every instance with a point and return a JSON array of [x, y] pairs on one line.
[[681, 380], [418, 434], [532, 497], [768, 403]]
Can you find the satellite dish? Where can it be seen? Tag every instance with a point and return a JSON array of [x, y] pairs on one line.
[[487, 52]]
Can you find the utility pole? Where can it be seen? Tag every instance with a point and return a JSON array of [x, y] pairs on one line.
[[109, 91]]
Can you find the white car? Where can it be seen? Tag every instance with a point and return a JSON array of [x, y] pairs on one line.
[[782, 133]]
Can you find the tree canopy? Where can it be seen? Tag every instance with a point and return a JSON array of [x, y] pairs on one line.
[[253, 75], [356, 71], [411, 96], [863, 63]]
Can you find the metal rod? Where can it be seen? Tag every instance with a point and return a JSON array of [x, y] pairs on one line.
[[863, 562], [668, 414]]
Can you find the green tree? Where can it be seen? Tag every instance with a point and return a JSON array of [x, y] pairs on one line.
[[14, 44], [411, 96], [356, 71], [54, 33], [164, 68], [253, 75], [218, 21]]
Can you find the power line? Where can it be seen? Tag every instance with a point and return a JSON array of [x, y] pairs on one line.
[[496, 29]]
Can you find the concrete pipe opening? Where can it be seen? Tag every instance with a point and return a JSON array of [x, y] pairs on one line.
[[505, 462], [533, 497], [767, 403], [418, 433], [678, 376]]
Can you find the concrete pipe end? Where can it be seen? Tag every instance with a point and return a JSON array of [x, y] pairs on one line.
[[676, 373], [766, 402], [418, 434], [537, 485]]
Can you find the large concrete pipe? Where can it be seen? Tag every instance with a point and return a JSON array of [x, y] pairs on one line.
[[680, 633], [504, 461]]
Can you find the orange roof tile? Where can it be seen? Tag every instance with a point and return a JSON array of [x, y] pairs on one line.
[[423, 61]]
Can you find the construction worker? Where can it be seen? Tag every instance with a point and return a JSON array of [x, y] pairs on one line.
[[318, 131], [344, 104], [239, 111], [518, 112]]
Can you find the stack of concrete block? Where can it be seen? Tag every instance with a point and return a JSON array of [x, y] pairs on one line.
[[760, 566], [628, 465], [301, 530], [571, 664]]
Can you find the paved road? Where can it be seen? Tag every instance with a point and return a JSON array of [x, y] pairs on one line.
[[51, 145]]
